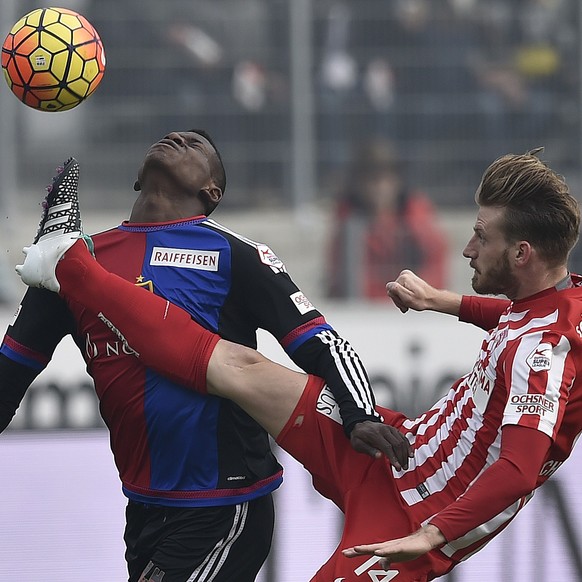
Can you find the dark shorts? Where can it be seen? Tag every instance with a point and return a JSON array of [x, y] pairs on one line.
[[198, 544]]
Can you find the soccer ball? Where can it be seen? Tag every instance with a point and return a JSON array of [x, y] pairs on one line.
[[53, 59]]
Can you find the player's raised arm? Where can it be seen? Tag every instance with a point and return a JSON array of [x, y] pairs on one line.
[[409, 291]]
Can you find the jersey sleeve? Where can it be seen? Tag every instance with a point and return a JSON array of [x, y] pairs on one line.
[[504, 483], [331, 356], [483, 312], [539, 375], [42, 320], [281, 308]]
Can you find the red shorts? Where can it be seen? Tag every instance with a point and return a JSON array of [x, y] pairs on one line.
[[360, 486]]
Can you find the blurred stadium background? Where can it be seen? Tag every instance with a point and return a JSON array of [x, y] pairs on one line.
[[286, 88]]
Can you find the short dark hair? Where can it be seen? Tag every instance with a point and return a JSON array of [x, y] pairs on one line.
[[539, 207], [219, 173]]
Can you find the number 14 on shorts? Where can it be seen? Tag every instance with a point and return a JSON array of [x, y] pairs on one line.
[[376, 575]]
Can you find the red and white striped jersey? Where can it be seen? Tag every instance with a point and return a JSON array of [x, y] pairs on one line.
[[528, 373]]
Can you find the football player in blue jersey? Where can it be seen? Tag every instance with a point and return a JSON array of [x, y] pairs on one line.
[[198, 472]]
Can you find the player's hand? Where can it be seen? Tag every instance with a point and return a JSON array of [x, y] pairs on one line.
[[376, 438], [409, 291], [403, 549]]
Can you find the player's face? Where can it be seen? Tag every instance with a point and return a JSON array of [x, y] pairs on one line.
[[185, 157], [489, 254]]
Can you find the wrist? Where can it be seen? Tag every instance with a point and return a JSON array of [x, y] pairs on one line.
[[351, 425], [433, 535], [444, 301]]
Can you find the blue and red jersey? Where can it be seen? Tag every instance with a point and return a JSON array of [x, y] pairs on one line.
[[173, 446]]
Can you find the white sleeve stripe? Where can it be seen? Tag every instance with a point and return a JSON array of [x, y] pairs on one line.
[[351, 370], [348, 373], [485, 529]]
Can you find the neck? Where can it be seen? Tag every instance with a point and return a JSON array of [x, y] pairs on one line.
[[536, 283], [157, 208]]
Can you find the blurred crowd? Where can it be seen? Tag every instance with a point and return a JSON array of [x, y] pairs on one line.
[[472, 78], [486, 77], [382, 224], [452, 82], [448, 85]]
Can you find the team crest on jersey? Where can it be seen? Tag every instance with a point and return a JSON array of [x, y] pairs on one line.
[[541, 358], [140, 282], [269, 258]]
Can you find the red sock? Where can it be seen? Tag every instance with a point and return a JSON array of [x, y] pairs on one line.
[[164, 336]]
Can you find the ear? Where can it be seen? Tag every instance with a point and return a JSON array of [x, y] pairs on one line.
[[214, 195], [523, 253], [210, 198]]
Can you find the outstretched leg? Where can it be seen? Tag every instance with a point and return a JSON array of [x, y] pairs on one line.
[[160, 334], [166, 339]]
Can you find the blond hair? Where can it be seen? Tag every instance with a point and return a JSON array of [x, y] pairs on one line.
[[539, 206]]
